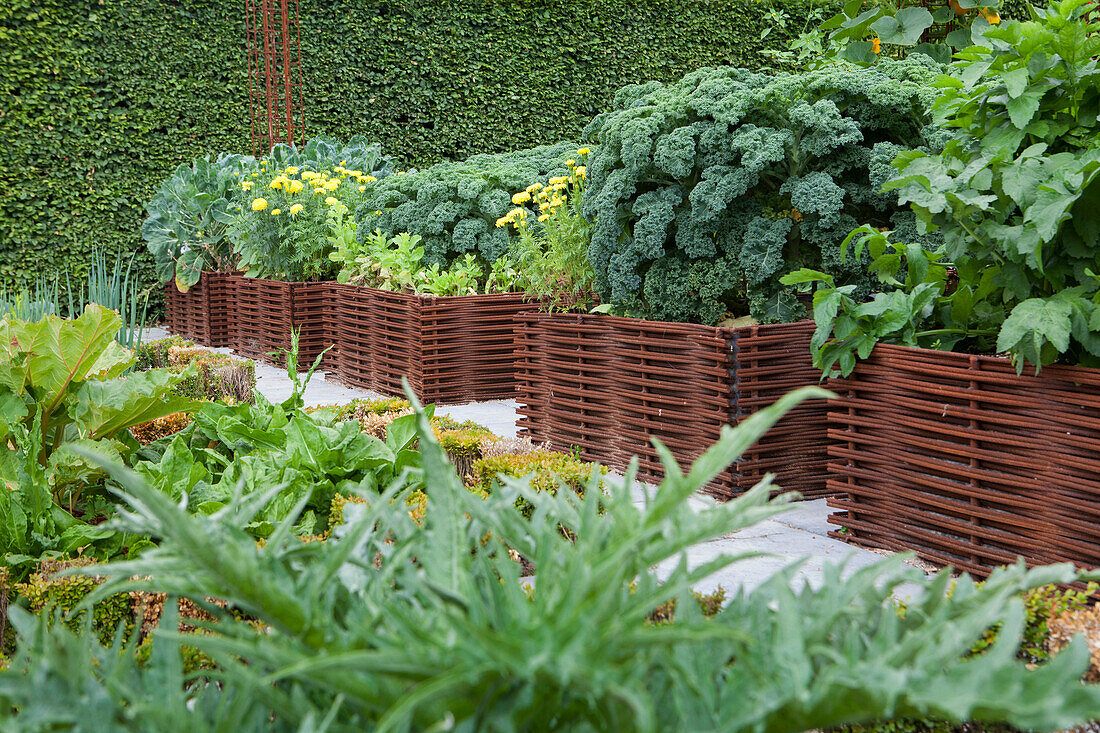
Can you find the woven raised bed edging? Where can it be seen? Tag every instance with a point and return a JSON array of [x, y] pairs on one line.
[[206, 313], [452, 349], [606, 386], [956, 457], [268, 311]]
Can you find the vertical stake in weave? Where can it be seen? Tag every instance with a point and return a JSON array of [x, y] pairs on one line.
[[274, 74]]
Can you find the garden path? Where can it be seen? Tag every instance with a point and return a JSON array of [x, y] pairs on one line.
[[798, 535]]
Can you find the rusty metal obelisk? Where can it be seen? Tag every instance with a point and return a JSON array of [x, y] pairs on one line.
[[274, 74]]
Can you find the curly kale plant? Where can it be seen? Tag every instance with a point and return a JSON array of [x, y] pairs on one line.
[[454, 206], [705, 192]]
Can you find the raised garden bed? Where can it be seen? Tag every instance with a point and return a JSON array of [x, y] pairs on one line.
[[605, 386], [268, 311], [956, 457], [206, 313], [452, 349]]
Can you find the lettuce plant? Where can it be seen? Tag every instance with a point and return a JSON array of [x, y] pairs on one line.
[[705, 192], [399, 625]]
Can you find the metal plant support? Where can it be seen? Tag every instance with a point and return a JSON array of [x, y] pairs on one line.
[[274, 73]]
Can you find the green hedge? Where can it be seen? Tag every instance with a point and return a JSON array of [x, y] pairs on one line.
[[103, 99]]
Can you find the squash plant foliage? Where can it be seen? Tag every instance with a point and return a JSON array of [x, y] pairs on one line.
[[704, 192], [394, 625], [1014, 194]]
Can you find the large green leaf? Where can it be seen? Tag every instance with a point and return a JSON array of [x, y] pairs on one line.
[[57, 354], [102, 408], [903, 28]]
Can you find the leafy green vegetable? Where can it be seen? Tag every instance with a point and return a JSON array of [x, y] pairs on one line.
[[917, 307], [246, 449], [705, 192], [396, 625], [1015, 190], [454, 206], [188, 216]]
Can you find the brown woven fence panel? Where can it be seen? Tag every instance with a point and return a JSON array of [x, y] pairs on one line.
[[956, 457], [606, 386], [565, 385], [468, 346], [206, 312], [451, 349], [182, 311], [269, 310], [773, 360], [379, 337]]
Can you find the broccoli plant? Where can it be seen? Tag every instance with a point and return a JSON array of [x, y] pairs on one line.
[[705, 192], [454, 206]]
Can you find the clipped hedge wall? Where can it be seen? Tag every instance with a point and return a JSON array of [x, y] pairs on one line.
[[103, 98]]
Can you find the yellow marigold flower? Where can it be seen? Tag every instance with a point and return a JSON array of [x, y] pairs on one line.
[[330, 201], [246, 185], [295, 209], [570, 163], [236, 173], [544, 217], [521, 198], [343, 162], [332, 184], [584, 151], [533, 187], [259, 204], [357, 174], [319, 190], [502, 221], [291, 169], [255, 174], [370, 179], [544, 206], [276, 212], [558, 180], [362, 189], [580, 171], [339, 169], [276, 184], [294, 186]]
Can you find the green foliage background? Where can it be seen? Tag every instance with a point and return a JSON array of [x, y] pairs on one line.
[[100, 100]]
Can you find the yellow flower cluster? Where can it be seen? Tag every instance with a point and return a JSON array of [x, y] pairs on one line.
[[550, 198], [259, 204], [295, 208], [517, 217]]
